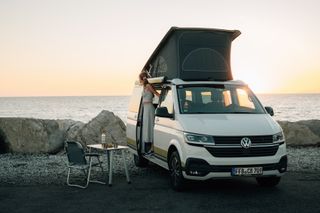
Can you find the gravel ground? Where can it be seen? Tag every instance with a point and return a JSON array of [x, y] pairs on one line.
[[17, 169]]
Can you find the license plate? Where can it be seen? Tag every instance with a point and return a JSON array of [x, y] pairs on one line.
[[246, 171]]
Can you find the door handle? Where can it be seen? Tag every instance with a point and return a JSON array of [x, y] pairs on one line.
[[135, 116], [157, 119]]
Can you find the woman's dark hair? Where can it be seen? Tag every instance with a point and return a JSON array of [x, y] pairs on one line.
[[143, 78]]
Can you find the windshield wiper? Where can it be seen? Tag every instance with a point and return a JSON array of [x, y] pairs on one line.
[[207, 112], [220, 113], [242, 112]]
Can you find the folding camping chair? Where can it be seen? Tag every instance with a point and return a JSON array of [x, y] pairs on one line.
[[77, 160]]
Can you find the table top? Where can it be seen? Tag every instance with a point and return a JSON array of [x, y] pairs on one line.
[[99, 146]]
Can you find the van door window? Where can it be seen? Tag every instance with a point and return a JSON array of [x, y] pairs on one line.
[[167, 101]]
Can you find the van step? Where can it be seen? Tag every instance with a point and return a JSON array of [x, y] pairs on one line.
[[157, 161]]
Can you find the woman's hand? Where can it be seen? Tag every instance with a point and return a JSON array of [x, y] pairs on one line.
[[151, 89]]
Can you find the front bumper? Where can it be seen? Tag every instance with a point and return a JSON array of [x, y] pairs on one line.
[[199, 169]]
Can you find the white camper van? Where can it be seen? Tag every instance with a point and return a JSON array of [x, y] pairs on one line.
[[206, 124]]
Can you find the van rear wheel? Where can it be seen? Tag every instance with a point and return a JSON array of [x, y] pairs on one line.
[[140, 161], [175, 168], [268, 181]]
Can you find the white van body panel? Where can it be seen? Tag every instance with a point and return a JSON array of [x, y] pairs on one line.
[[229, 124], [131, 125], [170, 132], [178, 146], [132, 114], [166, 132]]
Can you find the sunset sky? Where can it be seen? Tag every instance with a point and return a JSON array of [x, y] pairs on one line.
[[84, 48]]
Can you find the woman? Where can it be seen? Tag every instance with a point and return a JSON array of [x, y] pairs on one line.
[[148, 113]]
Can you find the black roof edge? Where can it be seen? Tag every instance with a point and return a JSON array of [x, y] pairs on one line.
[[235, 33]]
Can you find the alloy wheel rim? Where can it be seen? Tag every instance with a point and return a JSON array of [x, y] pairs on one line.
[[175, 170]]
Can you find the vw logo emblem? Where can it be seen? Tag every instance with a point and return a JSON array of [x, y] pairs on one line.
[[245, 142]]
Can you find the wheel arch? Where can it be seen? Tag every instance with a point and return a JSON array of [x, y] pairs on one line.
[[174, 146]]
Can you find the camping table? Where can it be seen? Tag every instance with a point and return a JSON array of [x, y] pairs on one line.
[[110, 151]]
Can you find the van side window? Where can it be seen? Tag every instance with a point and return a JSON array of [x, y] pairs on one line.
[[167, 101], [155, 99]]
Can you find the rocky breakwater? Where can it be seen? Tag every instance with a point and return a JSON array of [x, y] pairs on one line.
[[33, 136], [301, 133]]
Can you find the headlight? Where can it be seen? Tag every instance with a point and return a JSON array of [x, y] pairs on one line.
[[196, 138], [278, 137]]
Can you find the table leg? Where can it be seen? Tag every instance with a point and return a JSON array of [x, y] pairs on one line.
[[110, 169], [125, 166], [108, 160]]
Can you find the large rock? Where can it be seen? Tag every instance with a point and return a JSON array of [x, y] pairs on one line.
[[28, 135], [74, 131], [90, 133], [301, 133]]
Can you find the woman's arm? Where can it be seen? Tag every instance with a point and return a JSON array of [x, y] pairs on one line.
[[151, 89]]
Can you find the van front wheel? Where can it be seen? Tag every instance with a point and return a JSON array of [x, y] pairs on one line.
[[176, 176]]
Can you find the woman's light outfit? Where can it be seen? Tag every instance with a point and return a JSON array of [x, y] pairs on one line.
[[148, 118]]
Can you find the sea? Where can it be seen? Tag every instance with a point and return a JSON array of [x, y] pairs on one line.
[[287, 107]]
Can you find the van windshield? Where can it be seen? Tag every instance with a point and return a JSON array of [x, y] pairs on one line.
[[217, 99]]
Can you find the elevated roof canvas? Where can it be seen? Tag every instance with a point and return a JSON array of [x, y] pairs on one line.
[[193, 54]]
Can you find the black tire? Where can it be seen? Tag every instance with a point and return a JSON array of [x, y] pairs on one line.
[[140, 161], [175, 169], [268, 181]]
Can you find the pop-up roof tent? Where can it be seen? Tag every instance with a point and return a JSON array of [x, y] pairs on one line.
[[193, 54]]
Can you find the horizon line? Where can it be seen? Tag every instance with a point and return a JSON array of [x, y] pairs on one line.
[[52, 96]]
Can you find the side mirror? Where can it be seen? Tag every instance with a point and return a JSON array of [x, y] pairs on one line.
[[163, 112], [269, 110]]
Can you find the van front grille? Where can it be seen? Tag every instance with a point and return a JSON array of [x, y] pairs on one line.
[[242, 152], [222, 140]]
